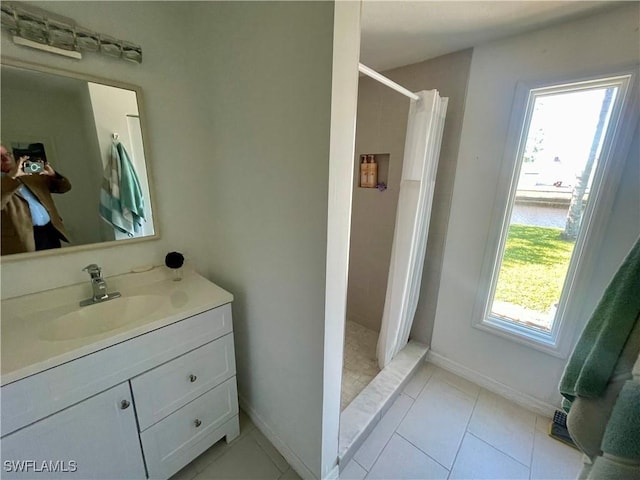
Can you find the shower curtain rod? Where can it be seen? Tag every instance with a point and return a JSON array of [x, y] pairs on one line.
[[389, 83]]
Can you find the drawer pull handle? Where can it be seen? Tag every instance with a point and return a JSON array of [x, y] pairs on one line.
[[192, 378], [197, 423], [124, 404]]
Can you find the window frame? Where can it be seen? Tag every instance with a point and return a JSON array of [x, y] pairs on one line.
[[616, 143]]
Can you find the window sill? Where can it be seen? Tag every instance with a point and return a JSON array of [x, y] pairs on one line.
[[543, 342]]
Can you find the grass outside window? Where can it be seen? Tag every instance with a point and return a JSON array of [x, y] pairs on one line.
[[534, 267]]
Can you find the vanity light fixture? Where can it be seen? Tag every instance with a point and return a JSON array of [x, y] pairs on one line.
[[37, 28]]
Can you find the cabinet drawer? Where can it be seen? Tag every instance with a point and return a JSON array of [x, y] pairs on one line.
[[166, 388], [175, 441]]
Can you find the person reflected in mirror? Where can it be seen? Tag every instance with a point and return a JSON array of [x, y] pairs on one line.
[[30, 219]]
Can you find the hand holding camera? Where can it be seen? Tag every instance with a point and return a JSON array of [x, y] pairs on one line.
[[25, 166], [32, 159], [26, 161]]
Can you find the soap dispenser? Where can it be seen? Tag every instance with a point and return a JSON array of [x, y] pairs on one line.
[[364, 171], [373, 172]]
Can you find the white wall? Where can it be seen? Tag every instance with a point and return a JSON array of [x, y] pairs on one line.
[[237, 103], [592, 45]]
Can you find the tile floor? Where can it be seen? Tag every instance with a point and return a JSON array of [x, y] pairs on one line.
[[360, 365], [444, 427], [440, 427], [250, 456]]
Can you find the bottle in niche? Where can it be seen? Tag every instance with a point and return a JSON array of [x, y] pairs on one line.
[[373, 172], [364, 171]]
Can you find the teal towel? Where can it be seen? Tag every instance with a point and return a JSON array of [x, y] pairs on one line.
[[121, 200], [622, 437], [595, 355], [130, 191]]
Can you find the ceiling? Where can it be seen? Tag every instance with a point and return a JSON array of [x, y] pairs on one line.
[[397, 33]]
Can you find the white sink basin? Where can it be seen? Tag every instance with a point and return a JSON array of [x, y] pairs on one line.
[[101, 317]]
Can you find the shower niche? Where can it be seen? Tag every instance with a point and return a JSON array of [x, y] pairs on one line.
[[363, 177]]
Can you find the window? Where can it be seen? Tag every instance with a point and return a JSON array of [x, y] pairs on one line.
[[560, 162]]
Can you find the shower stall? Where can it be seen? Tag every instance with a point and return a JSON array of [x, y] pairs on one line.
[[389, 230]]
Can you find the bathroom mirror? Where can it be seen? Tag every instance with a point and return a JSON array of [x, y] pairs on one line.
[[90, 131]]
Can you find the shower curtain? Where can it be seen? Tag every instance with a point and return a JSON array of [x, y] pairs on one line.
[[421, 152]]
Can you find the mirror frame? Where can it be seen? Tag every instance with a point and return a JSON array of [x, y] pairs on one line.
[[15, 63]]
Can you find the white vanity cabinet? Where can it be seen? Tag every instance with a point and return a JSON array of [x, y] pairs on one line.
[[144, 407]]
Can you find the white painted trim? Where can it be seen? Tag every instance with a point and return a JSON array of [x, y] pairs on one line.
[[294, 461], [520, 334], [334, 474], [344, 105], [522, 399]]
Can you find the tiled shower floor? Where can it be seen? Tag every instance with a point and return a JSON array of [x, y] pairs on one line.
[[360, 364]]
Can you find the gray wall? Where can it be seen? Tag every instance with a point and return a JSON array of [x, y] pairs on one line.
[[237, 103], [381, 128], [264, 142]]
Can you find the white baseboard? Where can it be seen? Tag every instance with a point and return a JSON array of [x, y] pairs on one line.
[[522, 399], [298, 465]]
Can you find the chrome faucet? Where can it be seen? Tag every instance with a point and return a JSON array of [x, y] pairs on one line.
[[98, 286]]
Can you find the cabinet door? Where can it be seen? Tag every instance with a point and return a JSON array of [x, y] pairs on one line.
[[96, 438]]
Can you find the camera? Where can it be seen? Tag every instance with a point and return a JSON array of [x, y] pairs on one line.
[[37, 158], [33, 167]]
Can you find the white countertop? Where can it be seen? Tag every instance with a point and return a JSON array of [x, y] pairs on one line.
[[24, 351]]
